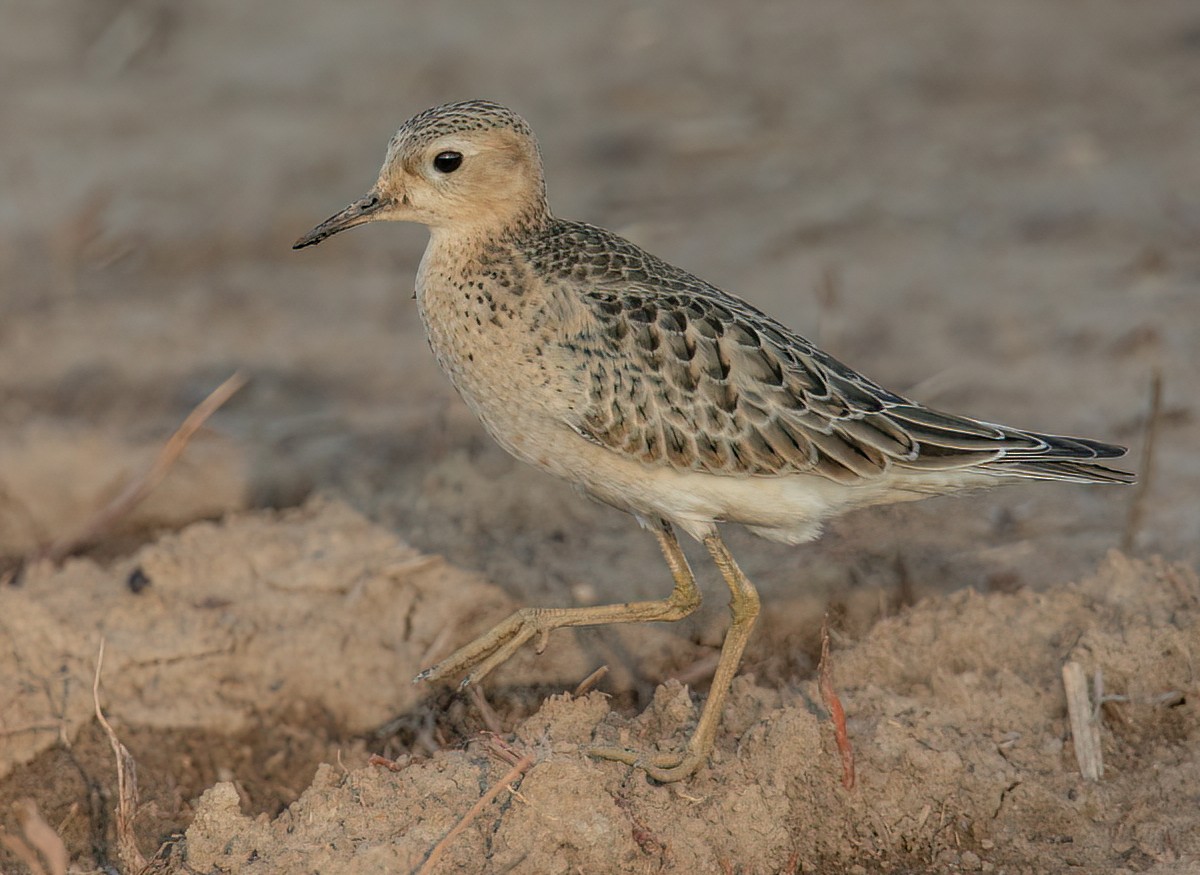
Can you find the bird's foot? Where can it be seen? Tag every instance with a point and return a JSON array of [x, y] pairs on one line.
[[481, 656]]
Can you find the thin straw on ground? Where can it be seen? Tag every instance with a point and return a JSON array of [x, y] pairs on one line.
[[435, 854], [836, 713], [1137, 507], [137, 490], [127, 787]]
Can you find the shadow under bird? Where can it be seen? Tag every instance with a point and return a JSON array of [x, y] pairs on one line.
[[654, 391]]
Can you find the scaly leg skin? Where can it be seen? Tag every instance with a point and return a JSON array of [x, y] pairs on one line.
[[489, 650], [743, 604]]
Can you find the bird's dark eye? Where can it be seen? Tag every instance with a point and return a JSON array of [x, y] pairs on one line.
[[447, 162]]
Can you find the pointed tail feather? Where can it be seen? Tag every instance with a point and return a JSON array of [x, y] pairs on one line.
[[1070, 471], [947, 442], [1070, 459]]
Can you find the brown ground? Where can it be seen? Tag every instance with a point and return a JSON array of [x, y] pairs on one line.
[[993, 207]]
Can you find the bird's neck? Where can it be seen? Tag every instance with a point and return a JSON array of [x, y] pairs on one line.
[[501, 223]]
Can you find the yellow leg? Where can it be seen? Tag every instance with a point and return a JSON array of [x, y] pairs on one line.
[[489, 650], [743, 605]]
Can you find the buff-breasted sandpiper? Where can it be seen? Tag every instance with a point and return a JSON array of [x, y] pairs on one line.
[[652, 390]]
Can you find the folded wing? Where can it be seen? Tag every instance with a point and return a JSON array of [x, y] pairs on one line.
[[700, 380]]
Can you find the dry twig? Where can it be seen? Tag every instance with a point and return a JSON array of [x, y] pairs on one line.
[[519, 768], [391, 765], [127, 789], [1137, 506], [836, 712], [1085, 728], [137, 490], [499, 748], [490, 718], [585, 685]]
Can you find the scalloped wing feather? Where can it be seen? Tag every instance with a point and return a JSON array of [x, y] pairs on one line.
[[680, 373]]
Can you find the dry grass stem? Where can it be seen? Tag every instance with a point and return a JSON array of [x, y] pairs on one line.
[[585, 685], [488, 714], [136, 491], [836, 713], [1085, 729], [127, 787], [519, 768], [391, 765], [1137, 507], [498, 747]]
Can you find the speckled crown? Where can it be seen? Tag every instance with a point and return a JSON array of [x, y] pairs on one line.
[[466, 115]]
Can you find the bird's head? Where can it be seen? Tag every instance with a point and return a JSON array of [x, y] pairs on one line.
[[470, 167]]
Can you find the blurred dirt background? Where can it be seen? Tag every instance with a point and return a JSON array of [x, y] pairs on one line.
[[994, 208]]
